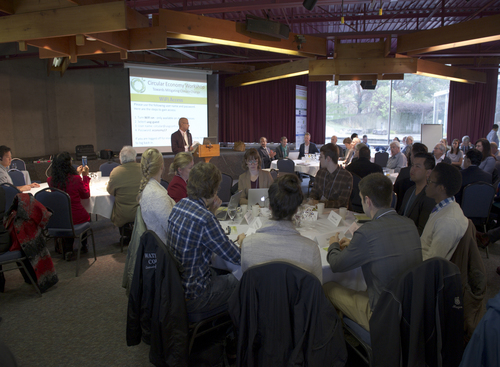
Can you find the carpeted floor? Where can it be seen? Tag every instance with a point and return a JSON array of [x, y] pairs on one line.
[[81, 321]]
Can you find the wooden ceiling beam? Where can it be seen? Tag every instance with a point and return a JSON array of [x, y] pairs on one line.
[[456, 35], [286, 70], [472, 61], [106, 17], [437, 70], [59, 45], [7, 7], [360, 50], [206, 29], [362, 66]]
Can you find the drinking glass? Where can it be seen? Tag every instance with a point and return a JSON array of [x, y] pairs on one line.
[[231, 211]]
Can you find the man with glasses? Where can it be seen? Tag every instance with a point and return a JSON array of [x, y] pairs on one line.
[[447, 224]]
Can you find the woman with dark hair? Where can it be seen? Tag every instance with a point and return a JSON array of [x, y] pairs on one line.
[[488, 162], [66, 178], [277, 239], [455, 154], [254, 177]]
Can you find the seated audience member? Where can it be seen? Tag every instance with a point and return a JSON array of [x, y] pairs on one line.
[[349, 150], [415, 204], [466, 144], [123, 184], [471, 172], [307, 147], [154, 200], [406, 150], [334, 142], [494, 151], [447, 224], [362, 166], [332, 184], [282, 150], [194, 234], [403, 182], [440, 154], [254, 177], [5, 160], [445, 143], [334, 139], [277, 239], [455, 155], [488, 162], [181, 166], [352, 156], [64, 177], [397, 139], [266, 154], [182, 140], [397, 160], [492, 136], [353, 136], [365, 141], [384, 248]]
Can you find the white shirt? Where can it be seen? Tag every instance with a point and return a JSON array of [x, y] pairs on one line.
[[186, 140]]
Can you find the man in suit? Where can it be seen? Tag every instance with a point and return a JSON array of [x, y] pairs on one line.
[[181, 140], [362, 166], [266, 154], [440, 154], [282, 150], [415, 204], [307, 147], [472, 173]]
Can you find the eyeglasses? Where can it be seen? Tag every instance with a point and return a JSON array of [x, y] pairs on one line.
[[253, 161]]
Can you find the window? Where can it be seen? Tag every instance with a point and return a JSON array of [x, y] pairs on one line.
[[395, 108]]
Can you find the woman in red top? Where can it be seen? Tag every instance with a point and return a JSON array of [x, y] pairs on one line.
[[181, 166], [66, 178]]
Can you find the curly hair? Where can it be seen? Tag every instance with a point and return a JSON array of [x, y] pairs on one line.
[[61, 169]]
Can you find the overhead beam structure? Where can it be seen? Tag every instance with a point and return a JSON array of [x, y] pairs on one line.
[[456, 35], [205, 29]]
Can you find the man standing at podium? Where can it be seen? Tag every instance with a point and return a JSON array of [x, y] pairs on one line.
[[181, 140]]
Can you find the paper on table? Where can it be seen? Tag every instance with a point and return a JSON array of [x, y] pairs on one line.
[[323, 239], [334, 218], [353, 228], [250, 231]]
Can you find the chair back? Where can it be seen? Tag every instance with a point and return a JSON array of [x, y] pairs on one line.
[[17, 177], [107, 167], [59, 203], [477, 199], [355, 201], [274, 174], [381, 158], [394, 200], [17, 163], [266, 299], [10, 193], [224, 192], [164, 183], [286, 166]]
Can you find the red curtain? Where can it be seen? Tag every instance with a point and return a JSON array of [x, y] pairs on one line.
[[471, 108], [268, 109]]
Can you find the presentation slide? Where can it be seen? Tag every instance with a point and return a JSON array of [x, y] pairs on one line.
[[158, 98]]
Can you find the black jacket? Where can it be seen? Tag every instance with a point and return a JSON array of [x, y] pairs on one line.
[[420, 209], [156, 308], [419, 321], [363, 167], [283, 318], [312, 149], [470, 175]]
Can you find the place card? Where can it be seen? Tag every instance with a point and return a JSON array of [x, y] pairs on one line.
[[250, 231], [248, 217], [353, 228], [256, 223], [334, 218]]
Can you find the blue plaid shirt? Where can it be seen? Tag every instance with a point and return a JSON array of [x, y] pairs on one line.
[[443, 203], [193, 233]]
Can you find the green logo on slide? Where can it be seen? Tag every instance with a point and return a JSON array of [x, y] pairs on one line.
[[138, 85]]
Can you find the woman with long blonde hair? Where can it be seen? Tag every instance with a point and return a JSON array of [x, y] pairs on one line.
[[154, 200]]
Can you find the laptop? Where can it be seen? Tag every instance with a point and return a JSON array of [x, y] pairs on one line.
[[234, 201], [258, 196], [293, 155]]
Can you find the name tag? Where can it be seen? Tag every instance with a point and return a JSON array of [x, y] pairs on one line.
[[334, 218]]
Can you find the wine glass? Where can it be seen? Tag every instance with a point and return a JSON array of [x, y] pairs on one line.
[[231, 211]]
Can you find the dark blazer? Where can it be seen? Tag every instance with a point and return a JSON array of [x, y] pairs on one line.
[[178, 143], [312, 149], [470, 175], [264, 156], [402, 184], [279, 153], [420, 208], [363, 167]]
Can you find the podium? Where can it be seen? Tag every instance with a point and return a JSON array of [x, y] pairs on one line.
[[207, 152]]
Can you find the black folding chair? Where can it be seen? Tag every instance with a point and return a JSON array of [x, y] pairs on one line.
[[17, 163], [61, 222], [381, 158], [10, 193], [17, 177], [224, 192], [107, 167]]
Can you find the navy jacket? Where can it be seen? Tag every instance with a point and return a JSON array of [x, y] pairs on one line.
[[312, 149]]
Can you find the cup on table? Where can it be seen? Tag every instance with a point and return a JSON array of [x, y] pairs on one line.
[[343, 212], [321, 208], [256, 210], [244, 208]]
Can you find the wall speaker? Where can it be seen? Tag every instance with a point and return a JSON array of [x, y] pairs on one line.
[[368, 84], [267, 27], [309, 4]]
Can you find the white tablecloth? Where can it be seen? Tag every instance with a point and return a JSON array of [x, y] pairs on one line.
[[100, 202], [319, 231], [307, 167]]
